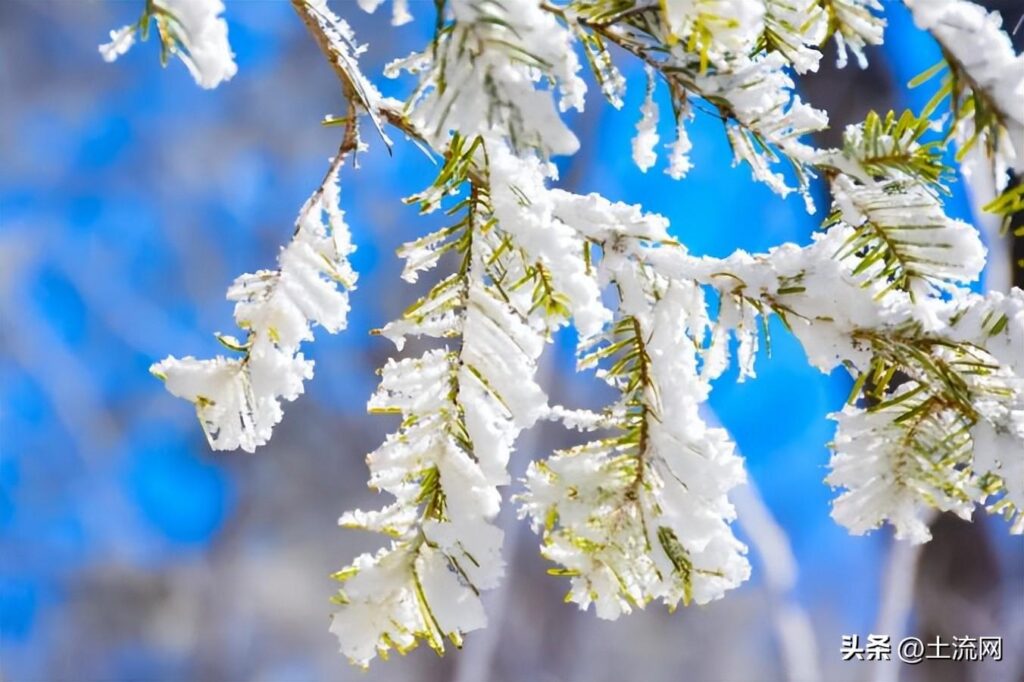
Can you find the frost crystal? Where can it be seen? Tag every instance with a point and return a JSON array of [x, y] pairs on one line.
[[399, 10], [679, 154]]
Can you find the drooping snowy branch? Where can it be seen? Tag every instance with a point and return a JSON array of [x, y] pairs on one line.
[[935, 409], [641, 514], [238, 400], [462, 410]]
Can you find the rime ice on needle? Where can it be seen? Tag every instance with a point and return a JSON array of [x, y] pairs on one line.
[[343, 50], [721, 27], [796, 28], [121, 40], [885, 480], [191, 29], [399, 10], [679, 154], [856, 26], [767, 115], [525, 207]]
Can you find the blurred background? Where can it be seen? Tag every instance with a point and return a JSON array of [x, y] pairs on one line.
[[129, 200]]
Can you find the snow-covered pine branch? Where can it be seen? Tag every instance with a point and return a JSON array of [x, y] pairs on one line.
[[639, 511], [721, 54], [921, 368], [238, 399], [191, 30], [937, 368], [888, 187], [462, 407], [983, 81]]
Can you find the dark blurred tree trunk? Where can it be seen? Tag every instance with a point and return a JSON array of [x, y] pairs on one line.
[[957, 594]]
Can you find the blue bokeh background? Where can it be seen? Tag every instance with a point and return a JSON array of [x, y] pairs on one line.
[[129, 199]]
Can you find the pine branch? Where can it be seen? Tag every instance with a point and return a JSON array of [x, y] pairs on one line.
[[640, 511], [752, 96], [336, 41], [983, 81], [903, 239], [621, 514], [237, 400]]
